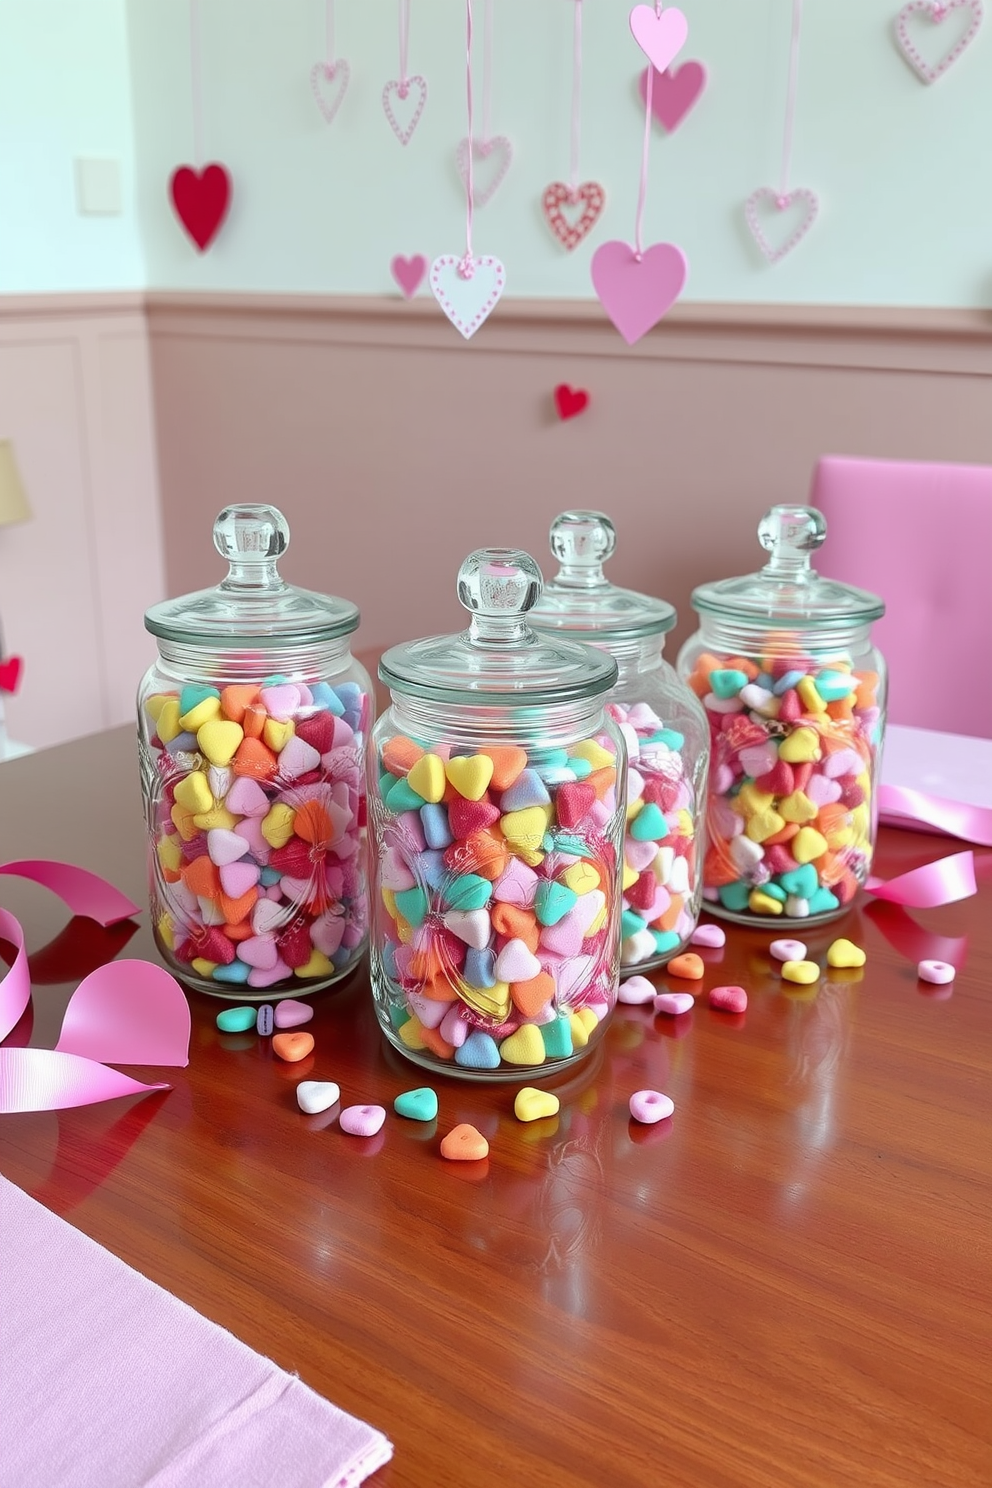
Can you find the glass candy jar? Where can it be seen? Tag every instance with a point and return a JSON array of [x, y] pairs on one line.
[[252, 727], [496, 817], [665, 730], [795, 696]]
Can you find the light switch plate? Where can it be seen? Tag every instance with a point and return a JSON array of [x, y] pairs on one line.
[[98, 188]]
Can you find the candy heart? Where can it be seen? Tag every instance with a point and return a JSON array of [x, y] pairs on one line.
[[472, 926], [842, 762], [464, 1143], [553, 901], [394, 871], [362, 1121], [267, 916], [574, 802], [316, 965], [277, 733], [417, 1105], [508, 762], [526, 1046], [219, 778], [822, 790], [649, 825], [297, 758], [219, 740], [779, 780], [470, 775], [527, 790], [636, 990], [313, 1096], [236, 879], [565, 938], [757, 759], [517, 885], [674, 1004], [640, 855], [804, 973], [259, 951], [709, 935], [479, 1051], [436, 829], [581, 878], [516, 963], [762, 825], [468, 891], [260, 977], [401, 797], [798, 808], [844, 953], [193, 792], [281, 701], [468, 817], [801, 745], [291, 1014], [650, 1106], [480, 968], [412, 905], [318, 731], [530, 1104], [525, 830], [807, 845], [250, 828], [277, 826], [427, 777], [727, 682], [327, 932], [533, 997], [255, 760], [800, 881], [225, 846], [688, 965]]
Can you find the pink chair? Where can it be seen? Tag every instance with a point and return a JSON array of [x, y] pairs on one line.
[[920, 535]]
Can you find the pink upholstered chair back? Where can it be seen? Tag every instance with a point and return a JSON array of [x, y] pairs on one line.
[[920, 535]]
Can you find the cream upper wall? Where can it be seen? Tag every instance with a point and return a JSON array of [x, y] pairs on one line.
[[900, 167]]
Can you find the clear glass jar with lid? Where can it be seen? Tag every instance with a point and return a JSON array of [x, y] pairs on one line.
[[665, 730], [252, 727], [794, 692], [496, 830]]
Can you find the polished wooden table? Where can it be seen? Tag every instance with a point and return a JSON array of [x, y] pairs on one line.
[[787, 1284]]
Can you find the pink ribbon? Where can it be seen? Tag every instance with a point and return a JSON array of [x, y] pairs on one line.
[[943, 882], [957, 818]]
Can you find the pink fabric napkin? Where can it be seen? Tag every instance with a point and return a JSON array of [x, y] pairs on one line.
[[107, 1381]]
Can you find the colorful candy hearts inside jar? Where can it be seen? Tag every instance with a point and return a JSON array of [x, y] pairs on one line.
[[496, 899], [794, 746], [256, 803]]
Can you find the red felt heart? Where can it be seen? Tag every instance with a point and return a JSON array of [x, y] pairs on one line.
[[10, 673], [570, 401], [201, 200]]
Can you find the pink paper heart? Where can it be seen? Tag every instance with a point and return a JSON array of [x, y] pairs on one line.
[[515, 963], [769, 203], [327, 931], [499, 150], [224, 846], [673, 92], [937, 14], [268, 915], [237, 878], [127, 1012], [281, 700], [409, 275], [408, 100], [297, 757], [329, 81], [660, 37], [637, 292], [260, 952], [247, 798], [467, 300]]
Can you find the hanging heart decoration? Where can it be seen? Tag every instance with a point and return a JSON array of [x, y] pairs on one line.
[[558, 199], [660, 35], [408, 273], [569, 401], [201, 200], [765, 207], [10, 673], [403, 104], [673, 92], [636, 290], [971, 12], [498, 150], [467, 299], [329, 81]]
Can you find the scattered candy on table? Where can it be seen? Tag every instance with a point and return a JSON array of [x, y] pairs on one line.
[[464, 1144], [313, 1096], [650, 1106], [844, 953], [689, 966], [292, 1047], [417, 1105], [362, 1121], [236, 1019], [531, 1105], [636, 990], [264, 1021], [673, 1004], [937, 972], [709, 935], [787, 950], [804, 973], [291, 1014], [728, 999]]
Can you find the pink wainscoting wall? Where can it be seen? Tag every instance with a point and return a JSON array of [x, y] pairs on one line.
[[394, 447], [75, 400]]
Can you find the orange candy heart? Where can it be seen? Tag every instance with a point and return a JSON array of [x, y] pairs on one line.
[[463, 1143], [670, 917], [202, 878], [236, 910], [439, 1046], [234, 700], [688, 965], [292, 1046], [508, 763], [400, 754], [254, 759], [602, 781], [254, 720], [530, 997], [516, 924]]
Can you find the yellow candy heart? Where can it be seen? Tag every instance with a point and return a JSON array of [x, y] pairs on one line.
[[803, 972], [750, 799], [277, 826], [840, 837], [845, 953], [764, 824], [861, 822], [470, 775], [633, 807], [389, 900], [630, 876], [490, 1002], [166, 931], [404, 930], [427, 777], [219, 740], [169, 853], [531, 1105], [168, 726], [217, 816], [193, 792], [808, 845], [201, 714], [597, 756], [526, 1046], [798, 808], [155, 704], [801, 747], [761, 903], [686, 826], [277, 734], [809, 697], [184, 822], [582, 877], [525, 829], [204, 967], [596, 925], [412, 1033], [317, 966], [582, 1024]]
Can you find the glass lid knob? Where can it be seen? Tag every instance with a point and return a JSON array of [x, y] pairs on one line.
[[582, 541], [498, 586], [791, 534], [252, 539]]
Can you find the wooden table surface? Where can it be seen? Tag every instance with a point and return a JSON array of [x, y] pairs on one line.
[[787, 1284]]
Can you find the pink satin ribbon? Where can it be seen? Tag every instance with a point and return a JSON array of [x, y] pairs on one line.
[[957, 818], [943, 882]]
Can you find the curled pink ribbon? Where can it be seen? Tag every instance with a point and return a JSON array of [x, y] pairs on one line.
[[956, 818], [943, 882]]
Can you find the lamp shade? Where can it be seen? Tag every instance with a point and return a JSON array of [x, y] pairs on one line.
[[13, 502]]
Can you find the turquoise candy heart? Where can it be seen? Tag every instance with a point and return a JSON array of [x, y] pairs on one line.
[[832, 686], [801, 882], [671, 737], [631, 924], [557, 1038], [774, 891], [822, 900], [564, 842], [269, 876], [527, 790], [237, 972], [553, 901], [276, 680], [412, 905], [547, 759], [649, 825], [479, 1051], [665, 941], [727, 682], [236, 1020], [398, 1014], [735, 896], [468, 891], [192, 696], [580, 767], [417, 1105], [400, 798]]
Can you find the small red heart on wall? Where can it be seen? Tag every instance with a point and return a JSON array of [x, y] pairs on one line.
[[570, 401], [10, 673], [201, 200]]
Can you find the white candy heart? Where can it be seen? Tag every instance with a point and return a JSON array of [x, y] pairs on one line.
[[745, 853], [227, 847], [268, 916], [313, 1096], [678, 880], [219, 779], [470, 925], [516, 963], [637, 948]]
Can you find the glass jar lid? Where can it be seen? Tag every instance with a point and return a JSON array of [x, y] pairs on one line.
[[788, 589], [580, 598], [500, 659], [254, 604]]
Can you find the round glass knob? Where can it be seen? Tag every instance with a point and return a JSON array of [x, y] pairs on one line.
[[252, 539], [791, 534]]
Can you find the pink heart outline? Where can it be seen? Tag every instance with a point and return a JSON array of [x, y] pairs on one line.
[[329, 73], [590, 195], [451, 261], [781, 201], [673, 92], [402, 91], [481, 150], [636, 292], [660, 37], [937, 13], [408, 273]]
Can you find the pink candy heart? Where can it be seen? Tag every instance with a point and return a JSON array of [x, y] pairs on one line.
[[515, 963], [251, 830], [758, 759], [260, 952], [326, 932], [517, 886], [225, 847], [453, 1026], [261, 977], [565, 938], [394, 872], [843, 762], [247, 798], [429, 1010], [639, 855], [822, 791], [281, 700], [297, 757], [267, 916], [292, 1014], [237, 878]]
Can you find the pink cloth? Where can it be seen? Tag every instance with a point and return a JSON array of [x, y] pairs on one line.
[[107, 1381]]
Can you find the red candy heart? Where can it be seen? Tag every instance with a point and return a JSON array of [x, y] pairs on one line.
[[573, 802], [740, 732], [295, 946], [641, 895], [663, 793], [801, 775], [317, 731], [206, 942], [791, 709], [779, 781], [201, 200], [466, 817]]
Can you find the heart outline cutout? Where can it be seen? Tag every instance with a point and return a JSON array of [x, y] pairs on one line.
[[408, 273], [466, 312], [674, 92], [201, 200], [558, 195], [636, 292], [402, 91], [481, 150], [937, 13], [782, 201], [328, 73]]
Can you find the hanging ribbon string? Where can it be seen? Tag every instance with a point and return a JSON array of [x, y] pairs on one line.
[[404, 46], [487, 74], [467, 266], [329, 25], [790, 101], [642, 190], [573, 175], [194, 78]]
